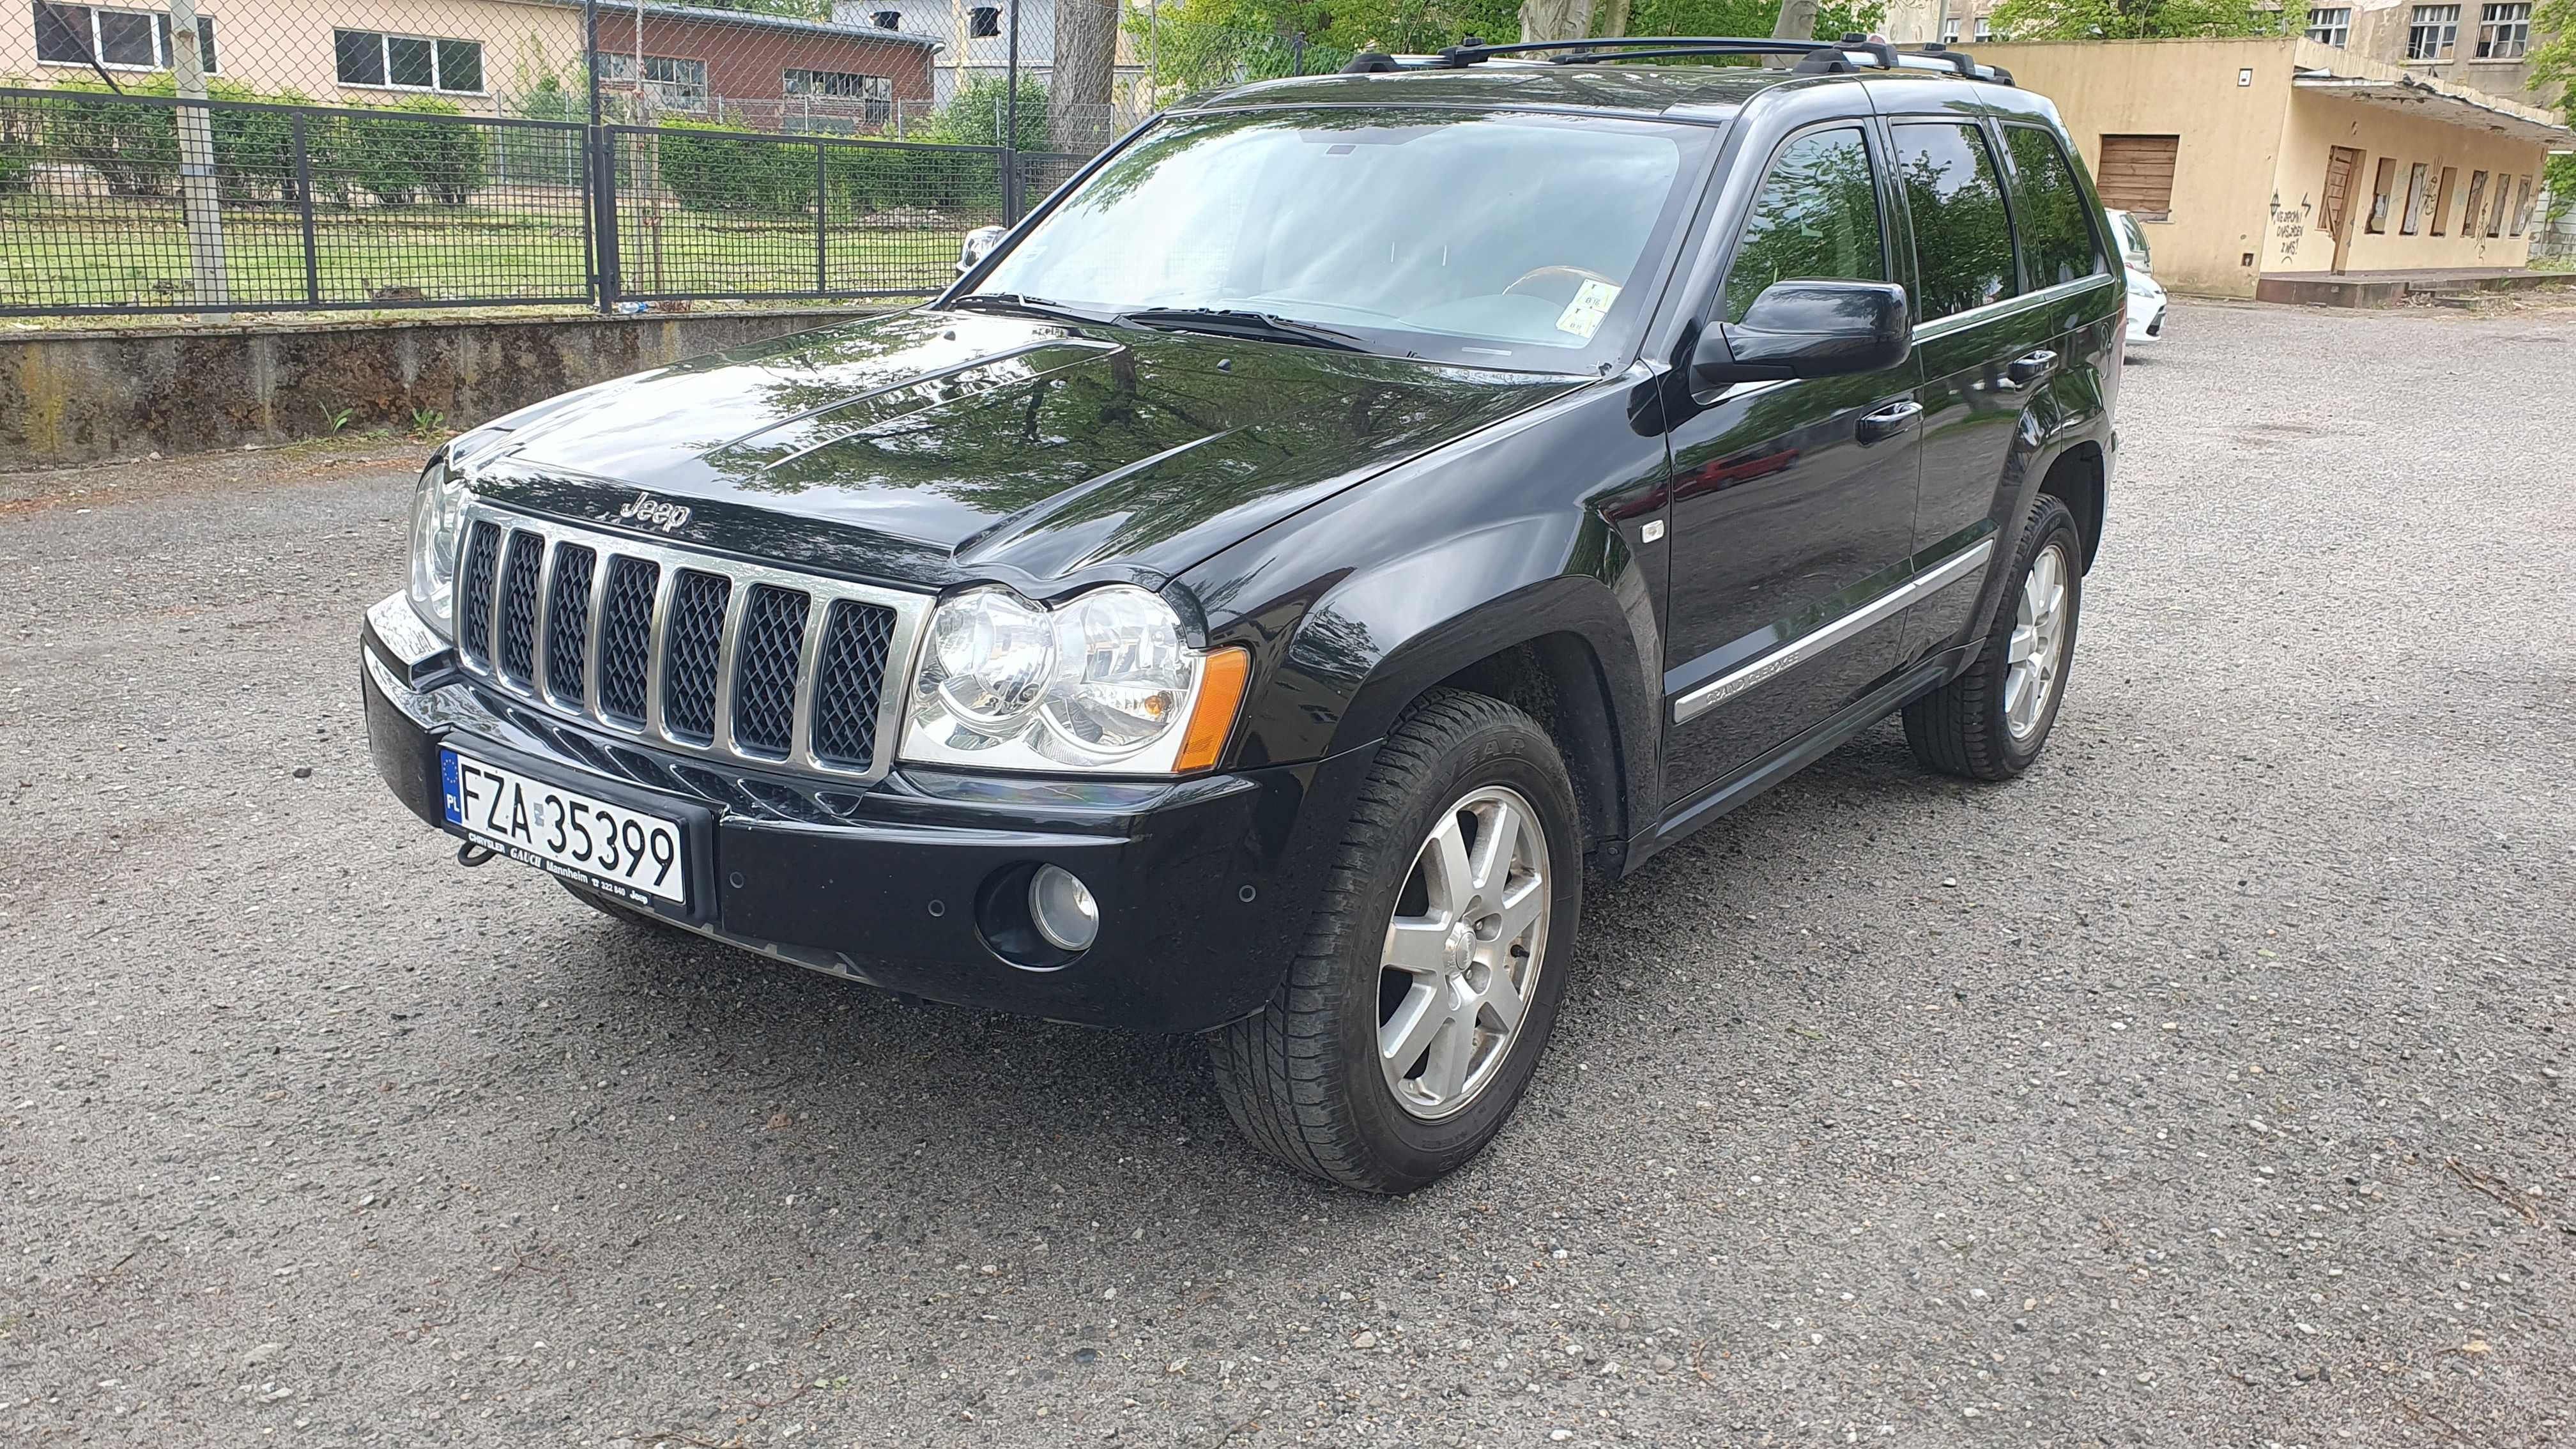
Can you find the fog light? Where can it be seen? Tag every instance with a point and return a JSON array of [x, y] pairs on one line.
[[1063, 908]]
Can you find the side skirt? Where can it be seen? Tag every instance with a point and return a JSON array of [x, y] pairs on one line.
[[1920, 678]]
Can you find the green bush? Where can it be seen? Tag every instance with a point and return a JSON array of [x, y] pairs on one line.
[[255, 150], [712, 167], [134, 149], [402, 161], [17, 165], [980, 113]]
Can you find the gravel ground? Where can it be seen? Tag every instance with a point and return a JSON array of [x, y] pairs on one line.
[[2207, 1086]]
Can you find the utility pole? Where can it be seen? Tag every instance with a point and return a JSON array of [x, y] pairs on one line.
[[200, 194]]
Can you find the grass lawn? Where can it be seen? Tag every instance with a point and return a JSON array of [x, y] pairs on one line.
[[132, 252]]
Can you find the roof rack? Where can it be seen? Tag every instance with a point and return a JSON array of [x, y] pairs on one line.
[[1851, 54]]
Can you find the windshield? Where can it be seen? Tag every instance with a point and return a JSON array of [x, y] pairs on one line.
[[1495, 239]]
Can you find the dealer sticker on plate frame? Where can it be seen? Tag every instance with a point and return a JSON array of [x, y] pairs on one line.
[[565, 831]]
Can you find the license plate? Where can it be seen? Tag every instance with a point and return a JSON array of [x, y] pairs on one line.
[[543, 824]]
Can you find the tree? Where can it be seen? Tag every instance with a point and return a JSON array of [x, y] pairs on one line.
[[1556, 19], [2553, 63], [2141, 19], [1079, 113]]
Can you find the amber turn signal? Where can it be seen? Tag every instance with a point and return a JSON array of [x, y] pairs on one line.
[[1221, 681]]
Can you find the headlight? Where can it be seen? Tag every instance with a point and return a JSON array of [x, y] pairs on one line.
[[1104, 683], [437, 518]]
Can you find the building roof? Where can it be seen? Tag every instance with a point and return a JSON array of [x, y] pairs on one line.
[[2333, 70], [821, 29]]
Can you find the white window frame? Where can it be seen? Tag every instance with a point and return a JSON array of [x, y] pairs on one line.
[[2336, 31], [1949, 28], [2428, 22], [164, 39], [1984, 33], [384, 54], [2502, 25]]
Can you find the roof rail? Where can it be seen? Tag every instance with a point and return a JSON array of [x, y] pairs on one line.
[[1852, 53]]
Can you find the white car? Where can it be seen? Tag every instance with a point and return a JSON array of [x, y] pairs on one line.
[[2146, 298]]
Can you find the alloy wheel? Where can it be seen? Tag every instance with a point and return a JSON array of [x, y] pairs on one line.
[[2037, 652], [1460, 965]]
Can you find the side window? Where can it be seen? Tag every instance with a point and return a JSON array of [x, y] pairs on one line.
[[2058, 243], [1962, 238], [1816, 217]]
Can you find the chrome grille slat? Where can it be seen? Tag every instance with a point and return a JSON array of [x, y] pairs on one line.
[[782, 641]]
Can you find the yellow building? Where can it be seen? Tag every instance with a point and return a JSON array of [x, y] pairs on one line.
[[2260, 166]]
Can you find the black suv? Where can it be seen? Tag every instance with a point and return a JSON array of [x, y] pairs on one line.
[[1259, 592]]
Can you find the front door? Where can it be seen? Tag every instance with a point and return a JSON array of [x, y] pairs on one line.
[[1792, 502], [2343, 163]]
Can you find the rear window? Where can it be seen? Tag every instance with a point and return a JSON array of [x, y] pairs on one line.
[[1963, 248], [2058, 243]]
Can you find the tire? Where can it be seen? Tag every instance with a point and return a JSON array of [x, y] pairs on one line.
[[1303, 1078], [1978, 725]]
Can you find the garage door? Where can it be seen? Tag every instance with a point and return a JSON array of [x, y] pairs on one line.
[[2136, 175]]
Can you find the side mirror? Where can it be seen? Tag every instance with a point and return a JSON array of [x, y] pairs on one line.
[[979, 245], [1807, 329]]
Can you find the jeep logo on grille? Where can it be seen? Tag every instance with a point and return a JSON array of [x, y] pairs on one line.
[[651, 512]]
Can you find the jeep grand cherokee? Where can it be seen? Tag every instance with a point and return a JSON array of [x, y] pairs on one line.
[[1259, 592]]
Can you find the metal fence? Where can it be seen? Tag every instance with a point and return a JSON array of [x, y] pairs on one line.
[[607, 153]]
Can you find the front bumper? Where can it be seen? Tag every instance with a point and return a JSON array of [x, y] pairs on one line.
[[1202, 884]]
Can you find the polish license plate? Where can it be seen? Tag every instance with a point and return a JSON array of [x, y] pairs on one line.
[[565, 831]]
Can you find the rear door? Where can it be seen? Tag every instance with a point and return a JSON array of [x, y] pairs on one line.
[[2006, 374], [1792, 502], [1981, 345]]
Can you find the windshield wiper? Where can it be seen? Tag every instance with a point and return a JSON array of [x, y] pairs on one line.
[[1020, 304], [1227, 322]]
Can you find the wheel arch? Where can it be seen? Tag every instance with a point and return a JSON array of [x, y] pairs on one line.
[[2077, 477], [1560, 651]]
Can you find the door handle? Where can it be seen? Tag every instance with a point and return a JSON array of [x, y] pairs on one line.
[[1889, 421], [2031, 366]]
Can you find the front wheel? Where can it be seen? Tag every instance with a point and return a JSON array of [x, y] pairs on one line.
[[1429, 978]]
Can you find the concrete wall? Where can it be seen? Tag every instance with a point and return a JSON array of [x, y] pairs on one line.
[[2297, 241], [2229, 152], [76, 397]]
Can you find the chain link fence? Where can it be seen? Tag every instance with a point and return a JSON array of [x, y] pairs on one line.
[[452, 153]]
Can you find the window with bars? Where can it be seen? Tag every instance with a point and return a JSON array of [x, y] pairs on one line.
[[2432, 31], [2504, 32], [2330, 26], [674, 81], [407, 62], [117, 39]]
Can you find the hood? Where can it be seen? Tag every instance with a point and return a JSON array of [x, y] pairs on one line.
[[927, 448]]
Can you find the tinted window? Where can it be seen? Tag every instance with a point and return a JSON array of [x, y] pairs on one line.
[[361, 57], [2057, 242], [1504, 239], [1962, 239], [1817, 216]]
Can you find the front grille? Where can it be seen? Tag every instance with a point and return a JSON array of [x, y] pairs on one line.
[[568, 622], [626, 639], [680, 649], [690, 646], [764, 693], [519, 607], [474, 593], [845, 698]]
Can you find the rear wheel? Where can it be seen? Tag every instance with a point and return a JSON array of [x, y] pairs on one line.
[[1990, 722], [1429, 978]]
